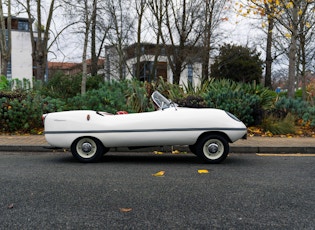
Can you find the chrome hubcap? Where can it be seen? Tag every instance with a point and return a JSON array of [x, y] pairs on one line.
[[213, 148], [86, 147]]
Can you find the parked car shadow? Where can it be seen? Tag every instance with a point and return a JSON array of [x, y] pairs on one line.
[[151, 158]]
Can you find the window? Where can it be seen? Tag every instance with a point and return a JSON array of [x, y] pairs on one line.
[[190, 72], [23, 25]]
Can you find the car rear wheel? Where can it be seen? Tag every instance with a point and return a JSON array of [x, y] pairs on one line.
[[212, 148], [87, 149]]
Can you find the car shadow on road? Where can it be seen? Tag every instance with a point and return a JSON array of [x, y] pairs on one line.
[[150, 158]]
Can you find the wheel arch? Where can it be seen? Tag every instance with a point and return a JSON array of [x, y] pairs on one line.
[[87, 136], [219, 133]]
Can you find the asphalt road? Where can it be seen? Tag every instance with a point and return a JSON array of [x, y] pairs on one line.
[[53, 191]]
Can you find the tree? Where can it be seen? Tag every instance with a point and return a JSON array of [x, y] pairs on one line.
[[181, 19], [140, 10], [5, 37], [306, 43], [266, 11], [211, 18], [158, 10], [237, 63], [292, 19], [120, 32], [40, 33]]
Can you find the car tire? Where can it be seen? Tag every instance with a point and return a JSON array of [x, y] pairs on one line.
[[212, 148], [192, 149], [87, 149]]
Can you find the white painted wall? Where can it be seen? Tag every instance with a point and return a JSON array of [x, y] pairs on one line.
[[21, 59]]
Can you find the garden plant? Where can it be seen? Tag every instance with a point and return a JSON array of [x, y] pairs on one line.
[[258, 107]]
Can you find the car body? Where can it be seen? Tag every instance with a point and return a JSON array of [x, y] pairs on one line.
[[89, 134]]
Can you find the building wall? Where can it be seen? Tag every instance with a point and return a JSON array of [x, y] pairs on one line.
[[112, 73], [21, 56], [197, 70]]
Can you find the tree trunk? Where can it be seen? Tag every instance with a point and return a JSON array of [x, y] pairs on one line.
[[5, 38], [94, 58], [292, 54], [269, 58]]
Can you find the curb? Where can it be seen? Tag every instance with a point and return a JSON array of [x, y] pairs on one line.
[[233, 149]]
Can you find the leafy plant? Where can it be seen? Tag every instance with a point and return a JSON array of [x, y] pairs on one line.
[[3, 83], [277, 125]]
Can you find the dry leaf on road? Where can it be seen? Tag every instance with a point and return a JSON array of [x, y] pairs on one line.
[[201, 171], [159, 174]]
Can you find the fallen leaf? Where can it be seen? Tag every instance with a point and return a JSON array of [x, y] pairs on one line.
[[10, 206], [125, 209], [160, 173], [158, 152], [201, 171], [175, 152]]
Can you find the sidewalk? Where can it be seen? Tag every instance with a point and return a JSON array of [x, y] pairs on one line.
[[37, 143]]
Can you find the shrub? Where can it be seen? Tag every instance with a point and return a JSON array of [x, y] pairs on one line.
[[4, 83], [239, 103], [21, 114], [278, 126], [192, 101], [110, 98], [67, 86], [246, 101], [299, 108]]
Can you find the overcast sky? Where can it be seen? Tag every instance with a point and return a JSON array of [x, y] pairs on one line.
[[237, 30]]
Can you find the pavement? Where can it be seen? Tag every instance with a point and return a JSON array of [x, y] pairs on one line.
[[303, 145]]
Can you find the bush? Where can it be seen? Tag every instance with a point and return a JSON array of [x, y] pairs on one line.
[[239, 103], [21, 114], [4, 83], [191, 101], [299, 108], [67, 86], [278, 126]]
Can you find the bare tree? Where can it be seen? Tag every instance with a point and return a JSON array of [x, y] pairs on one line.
[[158, 11], [213, 15], [140, 10], [120, 32], [180, 22], [40, 32], [5, 36]]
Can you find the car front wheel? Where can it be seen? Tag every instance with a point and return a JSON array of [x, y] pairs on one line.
[[212, 148], [87, 149]]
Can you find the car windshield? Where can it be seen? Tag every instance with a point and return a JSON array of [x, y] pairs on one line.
[[161, 101]]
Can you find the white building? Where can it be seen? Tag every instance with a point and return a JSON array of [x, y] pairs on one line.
[[117, 67], [21, 64]]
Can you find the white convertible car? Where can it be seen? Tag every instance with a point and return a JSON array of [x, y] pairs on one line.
[[89, 134]]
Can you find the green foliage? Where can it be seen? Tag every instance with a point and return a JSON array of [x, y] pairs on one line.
[[20, 114], [110, 98], [192, 101], [277, 125], [238, 63], [171, 91], [66, 86], [238, 102], [138, 99], [299, 108], [62, 86], [21, 110], [16, 84], [4, 83]]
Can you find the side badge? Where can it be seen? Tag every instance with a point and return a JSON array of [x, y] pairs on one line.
[[88, 117]]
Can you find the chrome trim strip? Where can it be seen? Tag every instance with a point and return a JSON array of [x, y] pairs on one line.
[[145, 130]]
